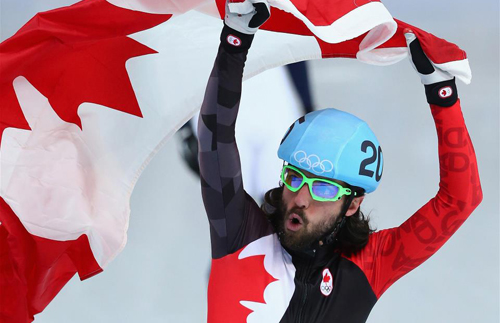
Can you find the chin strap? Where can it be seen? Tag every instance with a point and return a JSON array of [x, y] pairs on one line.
[[331, 237]]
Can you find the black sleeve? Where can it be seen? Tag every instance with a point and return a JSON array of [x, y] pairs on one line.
[[235, 219]]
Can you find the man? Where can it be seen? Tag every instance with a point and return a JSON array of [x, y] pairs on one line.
[[309, 255]]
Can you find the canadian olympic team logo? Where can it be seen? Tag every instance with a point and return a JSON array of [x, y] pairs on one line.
[[445, 92], [233, 40], [312, 162], [326, 285]]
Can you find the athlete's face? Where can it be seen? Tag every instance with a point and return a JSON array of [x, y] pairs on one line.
[[305, 220]]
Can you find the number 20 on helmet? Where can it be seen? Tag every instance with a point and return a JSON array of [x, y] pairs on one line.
[[334, 144]]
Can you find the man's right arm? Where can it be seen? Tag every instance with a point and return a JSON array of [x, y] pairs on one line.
[[233, 215]]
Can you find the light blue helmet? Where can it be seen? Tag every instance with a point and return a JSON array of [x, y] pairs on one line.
[[334, 144]]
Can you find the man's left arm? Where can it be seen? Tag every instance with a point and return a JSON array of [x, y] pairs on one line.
[[392, 253]]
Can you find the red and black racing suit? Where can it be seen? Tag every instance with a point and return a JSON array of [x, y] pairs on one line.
[[254, 279]]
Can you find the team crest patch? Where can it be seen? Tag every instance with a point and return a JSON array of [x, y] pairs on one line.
[[326, 285], [445, 92], [233, 40]]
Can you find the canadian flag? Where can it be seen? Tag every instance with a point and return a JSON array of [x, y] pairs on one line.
[[90, 92]]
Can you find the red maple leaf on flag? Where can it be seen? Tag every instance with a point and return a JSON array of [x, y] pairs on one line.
[[71, 55], [71, 61]]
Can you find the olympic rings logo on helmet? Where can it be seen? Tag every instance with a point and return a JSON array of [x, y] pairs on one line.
[[312, 162]]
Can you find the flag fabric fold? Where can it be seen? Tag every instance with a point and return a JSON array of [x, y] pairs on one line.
[[90, 92]]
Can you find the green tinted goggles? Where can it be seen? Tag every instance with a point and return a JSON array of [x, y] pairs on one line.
[[320, 189]]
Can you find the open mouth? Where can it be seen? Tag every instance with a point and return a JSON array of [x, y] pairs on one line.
[[294, 222]]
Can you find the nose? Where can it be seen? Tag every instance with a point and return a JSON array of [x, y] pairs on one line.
[[303, 197]]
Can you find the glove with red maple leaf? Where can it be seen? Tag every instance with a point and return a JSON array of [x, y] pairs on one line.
[[440, 87], [241, 21]]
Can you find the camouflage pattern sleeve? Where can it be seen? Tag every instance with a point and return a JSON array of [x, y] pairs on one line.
[[235, 219]]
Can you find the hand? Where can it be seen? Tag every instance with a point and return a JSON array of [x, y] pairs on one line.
[[440, 86], [428, 73], [246, 16]]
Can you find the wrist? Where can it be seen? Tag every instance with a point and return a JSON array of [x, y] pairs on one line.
[[234, 41], [443, 94]]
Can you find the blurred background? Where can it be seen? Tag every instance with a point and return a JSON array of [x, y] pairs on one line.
[[161, 275]]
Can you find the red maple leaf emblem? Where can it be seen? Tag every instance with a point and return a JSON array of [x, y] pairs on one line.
[[443, 93], [326, 279], [73, 55], [233, 280]]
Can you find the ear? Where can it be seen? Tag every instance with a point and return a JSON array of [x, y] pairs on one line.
[[355, 203]]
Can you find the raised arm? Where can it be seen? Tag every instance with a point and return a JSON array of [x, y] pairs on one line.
[[233, 215], [392, 253]]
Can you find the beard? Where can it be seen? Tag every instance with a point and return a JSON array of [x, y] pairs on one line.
[[308, 235]]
